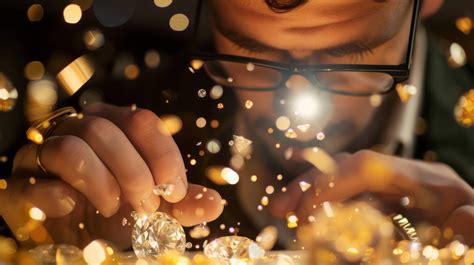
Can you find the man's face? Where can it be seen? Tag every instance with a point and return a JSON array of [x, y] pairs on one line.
[[317, 32]]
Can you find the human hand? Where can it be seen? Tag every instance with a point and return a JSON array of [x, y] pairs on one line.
[[108, 160], [429, 192]]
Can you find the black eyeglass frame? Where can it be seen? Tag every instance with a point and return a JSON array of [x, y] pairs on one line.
[[399, 73]]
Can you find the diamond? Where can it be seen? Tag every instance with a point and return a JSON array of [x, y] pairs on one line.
[[231, 250], [304, 186], [155, 234], [303, 127], [56, 254], [241, 143], [163, 189], [199, 231]]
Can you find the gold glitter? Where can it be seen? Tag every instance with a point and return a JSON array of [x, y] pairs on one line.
[[291, 134], [220, 105], [464, 24], [216, 92], [230, 176], [179, 22], [202, 93], [201, 122], [172, 124], [253, 178], [320, 136], [291, 220], [81, 226], [34, 70], [72, 14], [248, 104], [214, 124], [282, 123], [196, 64], [35, 13], [192, 162], [163, 3], [32, 180], [270, 130], [406, 91], [131, 71], [264, 201], [94, 39], [213, 146], [464, 110], [304, 186], [152, 59], [457, 55], [269, 189], [375, 100], [279, 177], [266, 239]]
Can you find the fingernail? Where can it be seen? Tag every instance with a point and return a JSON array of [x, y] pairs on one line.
[[67, 204]]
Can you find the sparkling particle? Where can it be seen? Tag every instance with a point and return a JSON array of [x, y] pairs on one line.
[[179, 22], [93, 39], [264, 201], [213, 146], [260, 208], [34, 70], [457, 55], [241, 143], [269, 189], [375, 100], [288, 153], [304, 186], [35, 13], [464, 24], [214, 124], [201, 122], [202, 93], [8, 94], [193, 162], [95, 252], [230, 80], [81, 226], [172, 124], [37, 214], [283, 123], [328, 209], [464, 109], [291, 134], [220, 105], [124, 221], [231, 249], [72, 14], [250, 67], [199, 231], [248, 104], [163, 3], [216, 92], [320, 136], [253, 178], [279, 177], [196, 64], [3, 184], [198, 196], [163, 189], [303, 127], [152, 59], [267, 237], [291, 220], [156, 234], [230, 176], [32, 180]]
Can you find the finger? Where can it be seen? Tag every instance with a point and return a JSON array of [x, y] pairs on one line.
[[113, 148], [54, 198], [72, 160], [296, 193], [151, 139], [198, 206]]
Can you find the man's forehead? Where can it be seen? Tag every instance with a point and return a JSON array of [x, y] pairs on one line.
[[314, 25]]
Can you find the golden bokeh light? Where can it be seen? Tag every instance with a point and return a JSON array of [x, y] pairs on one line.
[[283, 123], [131, 71], [152, 59], [37, 214], [35, 12], [464, 24], [457, 56], [72, 14], [173, 123], [95, 252], [94, 39], [230, 176], [3, 184], [201, 122], [179, 22], [34, 70], [8, 94], [163, 3], [464, 110]]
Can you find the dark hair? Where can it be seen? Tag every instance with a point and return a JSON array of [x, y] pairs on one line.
[[281, 6]]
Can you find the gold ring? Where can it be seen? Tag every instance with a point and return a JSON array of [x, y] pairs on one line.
[[41, 129], [38, 158]]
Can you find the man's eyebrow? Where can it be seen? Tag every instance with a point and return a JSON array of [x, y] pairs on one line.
[[252, 45]]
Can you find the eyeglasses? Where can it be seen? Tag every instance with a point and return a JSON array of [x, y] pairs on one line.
[[248, 73]]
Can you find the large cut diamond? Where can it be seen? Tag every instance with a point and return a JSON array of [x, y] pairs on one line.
[[157, 233], [233, 250]]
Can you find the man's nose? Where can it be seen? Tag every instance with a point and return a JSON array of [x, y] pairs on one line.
[[298, 83]]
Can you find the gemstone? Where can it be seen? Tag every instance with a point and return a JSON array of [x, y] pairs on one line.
[[163, 189], [56, 254], [231, 250], [199, 231], [241, 143], [157, 233], [304, 186]]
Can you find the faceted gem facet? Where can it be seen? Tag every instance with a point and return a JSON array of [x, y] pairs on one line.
[[230, 250], [155, 234]]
